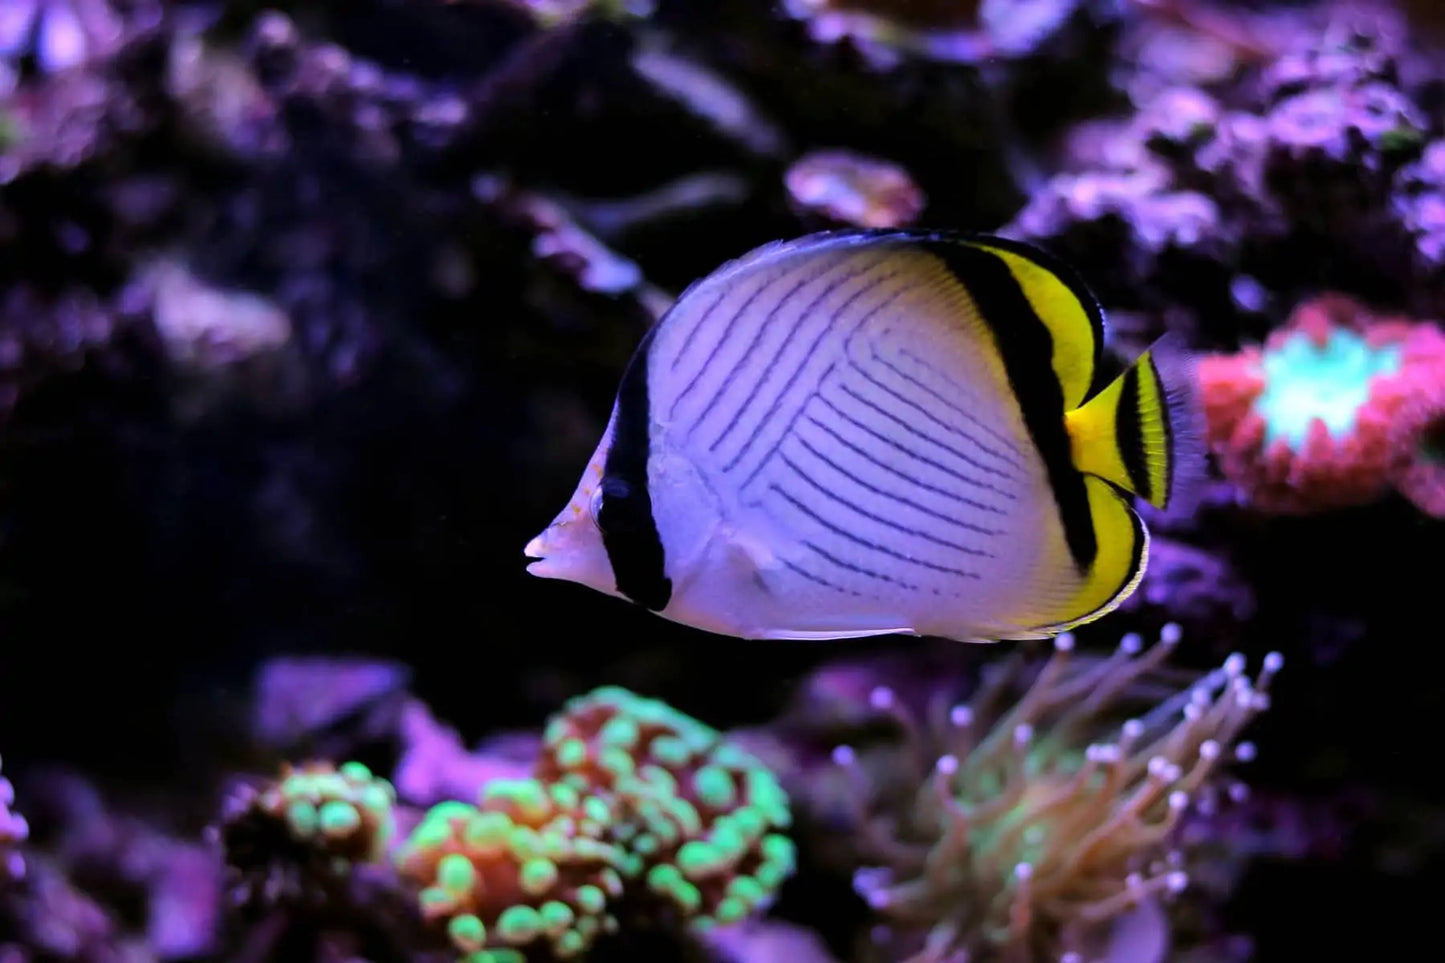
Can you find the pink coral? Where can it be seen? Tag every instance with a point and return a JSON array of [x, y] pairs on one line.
[[1422, 479], [1333, 410]]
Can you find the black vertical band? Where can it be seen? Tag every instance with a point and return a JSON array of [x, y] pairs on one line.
[[629, 530], [1026, 347]]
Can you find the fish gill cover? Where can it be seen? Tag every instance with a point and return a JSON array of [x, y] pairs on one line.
[[311, 312]]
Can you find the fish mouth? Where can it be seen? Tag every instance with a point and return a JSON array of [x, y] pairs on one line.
[[536, 554]]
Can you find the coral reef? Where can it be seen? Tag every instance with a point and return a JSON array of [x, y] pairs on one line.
[[1422, 479], [1333, 409], [528, 864], [436, 766], [104, 883], [309, 310], [297, 838], [1212, 193], [1042, 816], [13, 833], [861, 191], [962, 32], [702, 815], [638, 818]]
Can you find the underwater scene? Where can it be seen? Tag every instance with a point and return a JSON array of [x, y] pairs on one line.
[[721, 481]]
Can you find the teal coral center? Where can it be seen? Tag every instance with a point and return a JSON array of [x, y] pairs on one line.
[[1304, 381]]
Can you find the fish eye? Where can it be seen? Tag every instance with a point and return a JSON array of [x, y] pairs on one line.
[[608, 506], [594, 507]]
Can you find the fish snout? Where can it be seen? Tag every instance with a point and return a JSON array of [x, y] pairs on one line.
[[571, 549], [557, 552], [536, 553]]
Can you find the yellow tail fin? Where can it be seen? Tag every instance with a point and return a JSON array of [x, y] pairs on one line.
[[1141, 432]]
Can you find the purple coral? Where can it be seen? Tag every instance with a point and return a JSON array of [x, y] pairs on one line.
[[965, 32], [1419, 203], [1330, 153], [13, 833], [60, 34], [1244, 178], [379, 114], [105, 884], [59, 95], [843, 186], [44, 337]]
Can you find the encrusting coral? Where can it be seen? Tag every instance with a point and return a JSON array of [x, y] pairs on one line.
[[1038, 824], [1335, 408]]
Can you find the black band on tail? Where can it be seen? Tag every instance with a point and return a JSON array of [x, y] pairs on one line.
[[1130, 435]]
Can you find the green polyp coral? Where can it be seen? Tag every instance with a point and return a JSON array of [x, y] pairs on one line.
[[1042, 817], [529, 865], [636, 809], [1305, 380], [345, 809], [701, 819], [303, 832]]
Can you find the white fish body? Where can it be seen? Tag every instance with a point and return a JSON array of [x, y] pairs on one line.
[[826, 439]]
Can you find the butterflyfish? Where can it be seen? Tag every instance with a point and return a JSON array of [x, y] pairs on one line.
[[862, 433]]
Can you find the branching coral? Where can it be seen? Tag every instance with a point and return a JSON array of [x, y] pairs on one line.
[[1040, 820], [701, 816], [1333, 409], [298, 836], [1265, 180], [529, 865]]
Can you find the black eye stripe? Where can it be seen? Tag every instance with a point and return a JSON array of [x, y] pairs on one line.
[[629, 530]]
